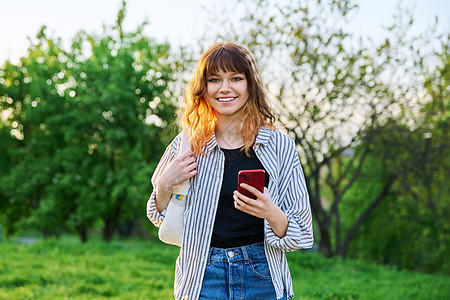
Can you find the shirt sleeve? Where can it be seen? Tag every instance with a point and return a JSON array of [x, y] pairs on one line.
[[166, 159], [297, 208]]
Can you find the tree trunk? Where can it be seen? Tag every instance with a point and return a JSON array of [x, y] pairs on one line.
[[82, 233], [111, 221], [337, 226], [108, 229], [325, 240]]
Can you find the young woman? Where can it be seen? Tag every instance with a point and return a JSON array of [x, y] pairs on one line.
[[233, 246]]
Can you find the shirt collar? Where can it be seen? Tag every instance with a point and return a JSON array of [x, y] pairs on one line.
[[211, 144], [262, 138]]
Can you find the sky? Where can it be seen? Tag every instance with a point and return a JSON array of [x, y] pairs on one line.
[[179, 22]]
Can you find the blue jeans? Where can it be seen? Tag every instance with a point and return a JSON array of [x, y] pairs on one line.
[[238, 273]]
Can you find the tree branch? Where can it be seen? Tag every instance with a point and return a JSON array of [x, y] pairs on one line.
[[342, 250]]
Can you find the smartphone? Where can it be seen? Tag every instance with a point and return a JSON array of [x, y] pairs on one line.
[[254, 178]]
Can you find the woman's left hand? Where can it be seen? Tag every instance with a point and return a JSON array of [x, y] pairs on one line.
[[261, 207]]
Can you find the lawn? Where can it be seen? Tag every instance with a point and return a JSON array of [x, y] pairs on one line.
[[143, 269]]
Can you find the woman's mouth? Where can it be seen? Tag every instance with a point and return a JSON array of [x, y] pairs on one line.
[[226, 99]]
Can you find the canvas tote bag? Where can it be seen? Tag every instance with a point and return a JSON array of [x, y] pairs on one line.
[[171, 229]]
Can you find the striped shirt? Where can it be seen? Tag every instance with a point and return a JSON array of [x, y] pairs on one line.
[[287, 188]]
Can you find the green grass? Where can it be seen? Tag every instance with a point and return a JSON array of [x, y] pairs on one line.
[[138, 269]]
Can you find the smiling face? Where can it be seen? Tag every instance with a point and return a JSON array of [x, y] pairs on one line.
[[226, 90], [227, 93]]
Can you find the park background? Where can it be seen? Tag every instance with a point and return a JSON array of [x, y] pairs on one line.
[[86, 117]]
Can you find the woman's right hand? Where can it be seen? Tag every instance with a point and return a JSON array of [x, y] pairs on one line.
[[177, 172]]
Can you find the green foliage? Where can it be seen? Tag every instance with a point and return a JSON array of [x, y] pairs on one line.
[[88, 126], [137, 269]]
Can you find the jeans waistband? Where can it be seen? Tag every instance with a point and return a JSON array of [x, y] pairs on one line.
[[243, 253]]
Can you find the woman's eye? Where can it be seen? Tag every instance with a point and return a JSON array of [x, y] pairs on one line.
[[237, 79], [213, 80]]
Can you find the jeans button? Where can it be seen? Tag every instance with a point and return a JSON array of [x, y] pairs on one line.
[[231, 254]]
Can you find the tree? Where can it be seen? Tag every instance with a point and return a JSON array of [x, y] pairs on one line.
[[89, 126], [29, 98]]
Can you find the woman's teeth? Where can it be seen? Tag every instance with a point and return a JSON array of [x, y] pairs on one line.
[[225, 99]]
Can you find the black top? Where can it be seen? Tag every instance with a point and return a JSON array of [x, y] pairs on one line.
[[232, 227]]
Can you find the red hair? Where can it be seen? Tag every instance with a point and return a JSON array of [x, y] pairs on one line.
[[199, 116]]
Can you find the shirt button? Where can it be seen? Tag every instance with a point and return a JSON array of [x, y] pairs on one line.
[[230, 254]]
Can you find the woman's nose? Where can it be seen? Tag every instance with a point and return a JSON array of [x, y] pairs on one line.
[[225, 87]]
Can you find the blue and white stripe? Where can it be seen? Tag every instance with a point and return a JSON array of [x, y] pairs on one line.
[[287, 188]]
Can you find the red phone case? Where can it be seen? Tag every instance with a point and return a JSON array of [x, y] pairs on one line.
[[254, 178]]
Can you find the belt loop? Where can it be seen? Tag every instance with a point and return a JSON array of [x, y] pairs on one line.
[[245, 254], [208, 260]]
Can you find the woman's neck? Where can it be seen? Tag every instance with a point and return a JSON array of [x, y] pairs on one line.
[[228, 134]]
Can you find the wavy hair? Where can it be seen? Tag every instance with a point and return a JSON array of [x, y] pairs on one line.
[[200, 117]]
